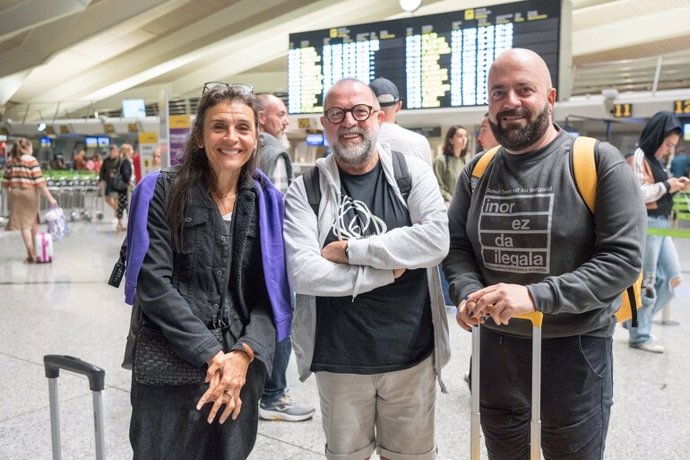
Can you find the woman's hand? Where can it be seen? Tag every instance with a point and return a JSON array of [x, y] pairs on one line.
[[677, 184], [501, 301], [227, 374]]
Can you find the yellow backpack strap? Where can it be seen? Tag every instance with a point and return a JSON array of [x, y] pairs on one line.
[[484, 162], [585, 169]]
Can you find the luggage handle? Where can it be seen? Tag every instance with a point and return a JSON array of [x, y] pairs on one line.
[[537, 320], [53, 364], [96, 376], [535, 317]]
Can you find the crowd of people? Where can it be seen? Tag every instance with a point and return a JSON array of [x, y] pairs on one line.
[[234, 262]]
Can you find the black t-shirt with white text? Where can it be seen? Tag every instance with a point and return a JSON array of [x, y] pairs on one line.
[[388, 328]]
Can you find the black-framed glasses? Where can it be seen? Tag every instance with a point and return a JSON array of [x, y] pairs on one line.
[[360, 112], [240, 87]]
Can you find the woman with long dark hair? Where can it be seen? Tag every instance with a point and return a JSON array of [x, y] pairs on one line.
[[448, 166], [23, 180], [661, 266], [208, 238]]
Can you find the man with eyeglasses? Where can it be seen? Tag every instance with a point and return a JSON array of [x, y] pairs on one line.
[[369, 317], [274, 160]]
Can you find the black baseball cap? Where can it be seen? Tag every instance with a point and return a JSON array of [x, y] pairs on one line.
[[385, 90]]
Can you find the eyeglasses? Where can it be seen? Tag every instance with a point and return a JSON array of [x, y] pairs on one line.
[[360, 112], [240, 87]]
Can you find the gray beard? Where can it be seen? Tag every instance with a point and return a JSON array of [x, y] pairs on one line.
[[517, 139], [284, 141], [354, 154], [357, 155]]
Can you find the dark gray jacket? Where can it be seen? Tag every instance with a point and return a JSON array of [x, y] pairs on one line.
[[271, 150], [213, 281]]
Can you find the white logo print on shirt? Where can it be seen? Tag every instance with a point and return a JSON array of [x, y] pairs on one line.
[[362, 222], [515, 232]]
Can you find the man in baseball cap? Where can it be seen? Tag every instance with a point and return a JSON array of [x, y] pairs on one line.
[[400, 139], [386, 92]]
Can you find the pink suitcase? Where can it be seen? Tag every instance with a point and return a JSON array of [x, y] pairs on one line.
[[44, 248]]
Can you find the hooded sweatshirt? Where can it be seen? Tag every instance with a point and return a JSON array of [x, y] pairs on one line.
[[655, 131]]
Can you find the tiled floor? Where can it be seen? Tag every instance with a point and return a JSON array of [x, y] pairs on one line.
[[67, 308]]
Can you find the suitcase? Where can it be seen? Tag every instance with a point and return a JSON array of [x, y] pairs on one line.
[[535, 425], [44, 248], [96, 376]]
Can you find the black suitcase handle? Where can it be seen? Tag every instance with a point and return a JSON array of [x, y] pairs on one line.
[[53, 364]]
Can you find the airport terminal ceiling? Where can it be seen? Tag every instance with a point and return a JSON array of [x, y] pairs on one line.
[[76, 58]]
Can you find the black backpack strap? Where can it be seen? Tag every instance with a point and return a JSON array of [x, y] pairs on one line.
[[633, 305], [312, 186], [312, 180], [402, 174]]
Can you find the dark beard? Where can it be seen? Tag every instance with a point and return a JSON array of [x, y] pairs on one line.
[[517, 139]]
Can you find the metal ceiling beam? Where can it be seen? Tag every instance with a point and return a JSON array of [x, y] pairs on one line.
[[655, 27], [32, 13]]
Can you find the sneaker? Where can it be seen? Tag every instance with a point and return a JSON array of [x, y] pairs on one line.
[[650, 345], [285, 409]]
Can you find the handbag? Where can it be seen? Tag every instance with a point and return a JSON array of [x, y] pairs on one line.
[[118, 184], [156, 364]]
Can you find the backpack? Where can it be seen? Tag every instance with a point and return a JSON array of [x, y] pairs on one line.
[[312, 180], [585, 174]]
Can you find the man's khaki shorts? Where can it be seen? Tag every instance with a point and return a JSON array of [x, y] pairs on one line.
[[392, 412]]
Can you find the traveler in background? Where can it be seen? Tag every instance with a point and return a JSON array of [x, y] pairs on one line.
[[58, 163], [95, 163], [368, 317], [274, 160], [136, 164], [109, 169], [79, 160], [449, 164], [661, 269], [156, 159], [680, 165], [486, 137], [213, 223], [400, 139], [522, 240], [125, 171], [23, 181]]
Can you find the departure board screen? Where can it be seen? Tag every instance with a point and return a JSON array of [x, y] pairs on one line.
[[436, 61]]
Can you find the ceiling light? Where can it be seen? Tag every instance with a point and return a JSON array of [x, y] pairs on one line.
[[410, 5], [41, 127]]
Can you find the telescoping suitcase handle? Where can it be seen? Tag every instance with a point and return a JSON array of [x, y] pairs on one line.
[[537, 319], [96, 376]]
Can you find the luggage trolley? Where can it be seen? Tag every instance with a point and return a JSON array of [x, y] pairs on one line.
[[96, 376], [91, 197], [536, 318], [80, 208]]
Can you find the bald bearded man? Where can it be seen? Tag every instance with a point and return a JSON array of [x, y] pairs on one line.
[[522, 240]]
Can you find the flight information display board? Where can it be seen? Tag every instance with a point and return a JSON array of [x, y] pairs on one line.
[[436, 61]]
